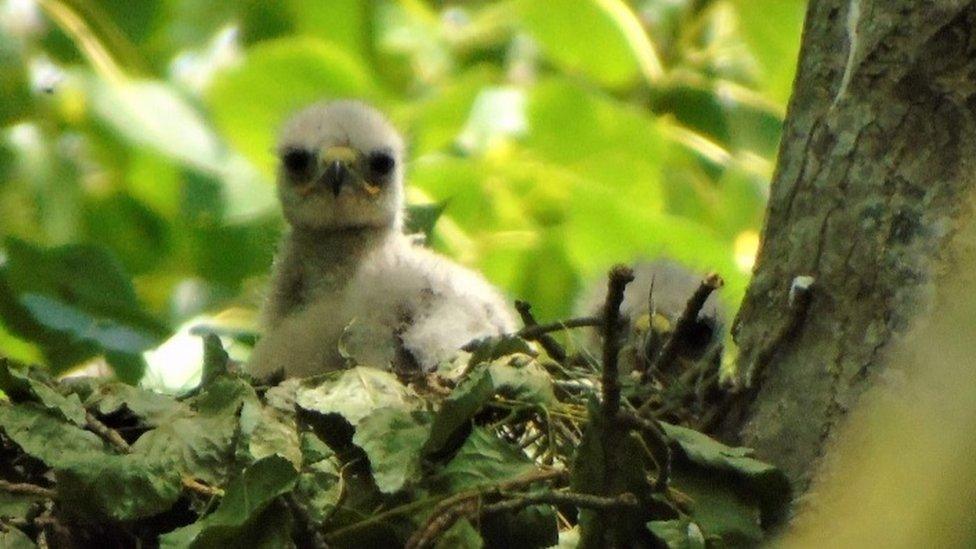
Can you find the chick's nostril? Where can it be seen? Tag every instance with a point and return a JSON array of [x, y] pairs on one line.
[[335, 176]]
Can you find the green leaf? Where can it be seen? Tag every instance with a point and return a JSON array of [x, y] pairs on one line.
[[215, 359], [718, 508], [607, 141], [522, 379], [153, 114], [16, 381], [43, 434], [495, 347], [277, 77], [151, 407], [511, 373], [483, 459], [317, 489], [13, 538], [762, 482], [457, 410], [678, 533], [421, 219], [199, 446], [588, 37], [270, 431], [392, 439], [245, 499], [462, 535], [118, 487], [75, 317], [16, 505], [108, 335], [772, 30], [199, 440], [355, 394], [344, 23]]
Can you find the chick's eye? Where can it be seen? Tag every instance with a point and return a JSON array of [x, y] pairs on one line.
[[381, 163], [297, 161]]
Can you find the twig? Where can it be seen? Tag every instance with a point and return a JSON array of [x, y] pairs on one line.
[[552, 347], [472, 506], [542, 475], [617, 282], [197, 487], [106, 433], [533, 332], [669, 351], [25, 489], [660, 447], [341, 498], [586, 501]]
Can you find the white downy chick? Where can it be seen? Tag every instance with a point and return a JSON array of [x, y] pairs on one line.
[[345, 257]]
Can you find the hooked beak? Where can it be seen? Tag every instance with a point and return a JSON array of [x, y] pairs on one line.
[[338, 162], [335, 176]]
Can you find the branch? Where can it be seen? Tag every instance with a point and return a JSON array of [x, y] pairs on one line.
[[106, 433], [617, 282], [541, 475], [515, 501], [552, 347], [25, 489], [534, 332], [193, 485], [472, 506], [669, 351]]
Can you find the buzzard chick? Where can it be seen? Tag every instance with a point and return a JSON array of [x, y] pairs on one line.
[[346, 260]]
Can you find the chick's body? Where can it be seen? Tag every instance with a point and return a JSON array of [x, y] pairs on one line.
[[347, 260]]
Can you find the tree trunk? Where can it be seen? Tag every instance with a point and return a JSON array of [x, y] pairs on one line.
[[876, 165]]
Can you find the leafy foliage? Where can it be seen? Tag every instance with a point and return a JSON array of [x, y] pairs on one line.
[[548, 140], [361, 456]]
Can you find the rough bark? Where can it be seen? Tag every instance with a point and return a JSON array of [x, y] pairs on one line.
[[876, 165]]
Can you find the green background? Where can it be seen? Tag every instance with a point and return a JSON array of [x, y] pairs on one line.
[[555, 137]]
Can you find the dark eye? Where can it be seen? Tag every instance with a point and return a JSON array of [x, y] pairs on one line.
[[297, 161], [381, 163]]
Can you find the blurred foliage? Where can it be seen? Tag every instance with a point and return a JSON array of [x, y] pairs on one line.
[[547, 139]]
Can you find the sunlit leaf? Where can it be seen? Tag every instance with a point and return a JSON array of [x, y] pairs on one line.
[[392, 439], [622, 54], [772, 29], [250, 102], [355, 394]]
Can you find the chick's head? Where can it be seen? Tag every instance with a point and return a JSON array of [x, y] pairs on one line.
[[341, 167]]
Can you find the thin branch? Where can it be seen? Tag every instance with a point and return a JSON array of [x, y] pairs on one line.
[[617, 282], [587, 501], [552, 347], [106, 433], [533, 332], [542, 475], [193, 485], [471, 507], [669, 351], [25, 489], [660, 444], [341, 498]]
